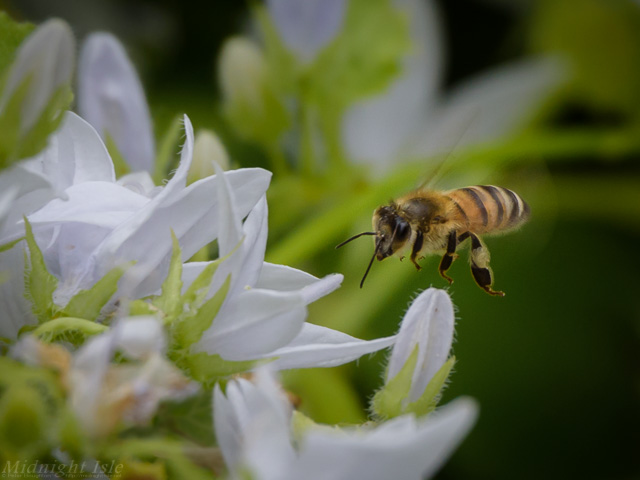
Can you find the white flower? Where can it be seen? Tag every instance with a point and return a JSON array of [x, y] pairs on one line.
[[253, 428], [111, 98], [263, 316], [103, 394], [427, 325], [45, 60], [99, 223]]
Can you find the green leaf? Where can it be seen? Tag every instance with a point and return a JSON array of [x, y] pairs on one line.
[[66, 327], [190, 418], [170, 300], [361, 61], [166, 153], [120, 165], [199, 288], [88, 303], [392, 400], [207, 369], [10, 245], [142, 307], [389, 401], [39, 283], [23, 419], [188, 330], [12, 34], [431, 396]]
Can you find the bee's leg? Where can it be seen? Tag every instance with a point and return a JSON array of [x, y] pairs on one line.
[[417, 246], [480, 266], [449, 256]]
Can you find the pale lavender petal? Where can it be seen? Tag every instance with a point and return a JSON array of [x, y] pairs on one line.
[[96, 203], [111, 98], [376, 130], [317, 346], [76, 154], [307, 26], [403, 448], [34, 191], [47, 58], [140, 182], [489, 106], [7, 197], [428, 323]]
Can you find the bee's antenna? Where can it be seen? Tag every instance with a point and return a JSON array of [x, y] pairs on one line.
[[354, 237], [370, 263]]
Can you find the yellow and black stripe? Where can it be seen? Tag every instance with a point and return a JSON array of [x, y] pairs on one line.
[[487, 208]]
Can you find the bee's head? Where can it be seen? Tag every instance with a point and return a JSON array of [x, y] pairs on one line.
[[392, 231]]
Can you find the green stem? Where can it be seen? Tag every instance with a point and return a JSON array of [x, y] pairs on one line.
[[65, 324]]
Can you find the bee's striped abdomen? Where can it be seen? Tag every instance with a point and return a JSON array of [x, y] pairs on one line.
[[485, 208]]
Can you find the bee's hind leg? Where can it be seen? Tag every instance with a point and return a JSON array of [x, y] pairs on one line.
[[449, 256], [480, 266]]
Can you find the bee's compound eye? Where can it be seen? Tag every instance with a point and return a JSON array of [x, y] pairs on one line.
[[402, 229]]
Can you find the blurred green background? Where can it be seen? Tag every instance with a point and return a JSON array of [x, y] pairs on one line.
[[555, 365]]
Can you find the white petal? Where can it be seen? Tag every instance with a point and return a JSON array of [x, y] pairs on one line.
[[317, 346], [245, 263], [377, 129], [140, 182], [46, 56], [192, 214], [33, 192], [97, 203], [286, 279], [283, 277], [403, 448], [139, 336], [75, 154], [490, 105], [252, 427], [110, 96], [254, 323], [429, 324], [7, 197], [307, 26]]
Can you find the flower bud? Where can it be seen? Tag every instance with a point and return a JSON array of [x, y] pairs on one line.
[[207, 149], [37, 90]]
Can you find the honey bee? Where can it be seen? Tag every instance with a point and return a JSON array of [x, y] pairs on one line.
[[435, 222]]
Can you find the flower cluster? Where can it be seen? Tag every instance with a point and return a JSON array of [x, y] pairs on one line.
[[106, 311]]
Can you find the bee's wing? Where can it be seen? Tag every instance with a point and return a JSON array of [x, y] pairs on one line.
[[445, 161]]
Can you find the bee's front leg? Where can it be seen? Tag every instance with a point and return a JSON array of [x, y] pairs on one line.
[[480, 266], [449, 256], [417, 246]]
